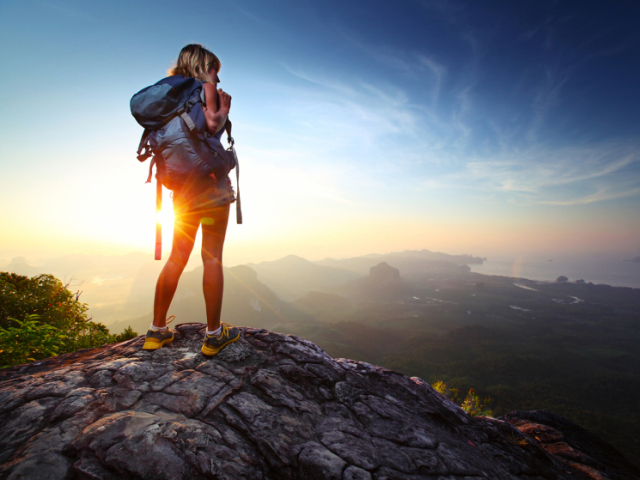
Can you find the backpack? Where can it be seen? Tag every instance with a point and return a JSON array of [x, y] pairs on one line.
[[175, 133]]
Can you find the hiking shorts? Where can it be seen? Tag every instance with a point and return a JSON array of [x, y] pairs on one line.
[[207, 206]]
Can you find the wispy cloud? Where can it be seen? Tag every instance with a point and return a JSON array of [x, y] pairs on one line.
[[414, 64], [359, 111], [547, 97], [558, 177], [365, 116], [380, 126], [599, 196]]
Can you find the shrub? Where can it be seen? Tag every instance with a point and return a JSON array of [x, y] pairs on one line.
[[42, 295], [48, 308], [472, 403], [127, 334], [29, 341]]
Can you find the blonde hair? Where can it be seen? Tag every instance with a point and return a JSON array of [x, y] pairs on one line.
[[195, 61]]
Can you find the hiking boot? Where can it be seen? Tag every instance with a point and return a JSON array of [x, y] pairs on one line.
[[212, 345], [157, 339]]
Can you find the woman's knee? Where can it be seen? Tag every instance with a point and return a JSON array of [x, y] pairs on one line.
[[179, 258], [212, 244], [212, 256]]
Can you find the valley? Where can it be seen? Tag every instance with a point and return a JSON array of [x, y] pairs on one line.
[[570, 347]]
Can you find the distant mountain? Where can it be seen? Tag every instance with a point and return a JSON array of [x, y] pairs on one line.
[[415, 254], [292, 277], [413, 268], [464, 259], [246, 302], [20, 266], [382, 283], [143, 288]]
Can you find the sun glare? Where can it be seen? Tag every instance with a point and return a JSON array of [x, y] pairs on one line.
[[165, 216]]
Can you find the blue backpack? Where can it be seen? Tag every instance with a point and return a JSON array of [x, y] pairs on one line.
[[175, 133]]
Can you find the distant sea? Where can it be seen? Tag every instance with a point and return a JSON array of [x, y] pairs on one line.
[[602, 268]]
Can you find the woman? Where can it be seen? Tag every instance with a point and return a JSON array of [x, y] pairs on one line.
[[207, 204]]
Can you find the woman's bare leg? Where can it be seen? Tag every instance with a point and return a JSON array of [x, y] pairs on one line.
[[213, 280], [184, 236]]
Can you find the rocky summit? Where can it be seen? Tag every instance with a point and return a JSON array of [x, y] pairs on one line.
[[270, 406]]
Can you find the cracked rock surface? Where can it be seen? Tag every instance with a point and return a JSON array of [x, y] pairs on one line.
[[270, 406]]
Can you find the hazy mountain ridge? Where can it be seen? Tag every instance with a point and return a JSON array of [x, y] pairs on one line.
[[464, 259], [246, 301], [383, 283], [292, 277], [412, 267], [121, 287]]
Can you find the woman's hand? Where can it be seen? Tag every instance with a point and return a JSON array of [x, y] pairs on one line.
[[216, 108], [225, 100]]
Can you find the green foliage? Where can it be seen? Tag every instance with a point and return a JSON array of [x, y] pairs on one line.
[[476, 406], [127, 334], [29, 341], [43, 295], [440, 387], [472, 403], [48, 309]]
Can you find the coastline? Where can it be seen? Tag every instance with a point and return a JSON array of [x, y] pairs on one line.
[[607, 270]]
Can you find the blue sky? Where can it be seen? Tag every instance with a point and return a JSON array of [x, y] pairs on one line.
[[465, 127]]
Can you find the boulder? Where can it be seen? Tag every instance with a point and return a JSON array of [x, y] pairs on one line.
[[270, 406]]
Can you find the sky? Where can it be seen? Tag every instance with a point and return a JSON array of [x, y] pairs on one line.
[[364, 126]]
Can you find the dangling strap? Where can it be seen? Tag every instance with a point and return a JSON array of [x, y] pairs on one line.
[[158, 255], [238, 203], [153, 162], [227, 127]]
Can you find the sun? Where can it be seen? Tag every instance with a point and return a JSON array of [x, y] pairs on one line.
[[165, 216]]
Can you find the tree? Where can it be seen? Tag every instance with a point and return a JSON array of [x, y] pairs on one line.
[[40, 317], [42, 295]]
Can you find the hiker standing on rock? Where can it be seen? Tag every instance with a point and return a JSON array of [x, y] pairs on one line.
[[205, 201]]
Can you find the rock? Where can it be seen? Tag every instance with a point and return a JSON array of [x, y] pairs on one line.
[[268, 407], [318, 463], [236, 352], [355, 473], [573, 445]]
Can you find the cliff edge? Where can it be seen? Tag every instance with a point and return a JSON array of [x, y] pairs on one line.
[[270, 406]]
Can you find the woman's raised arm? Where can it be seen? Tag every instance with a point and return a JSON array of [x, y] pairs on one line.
[[215, 114]]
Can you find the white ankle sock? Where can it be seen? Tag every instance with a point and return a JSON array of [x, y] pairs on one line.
[[215, 333], [153, 328]]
